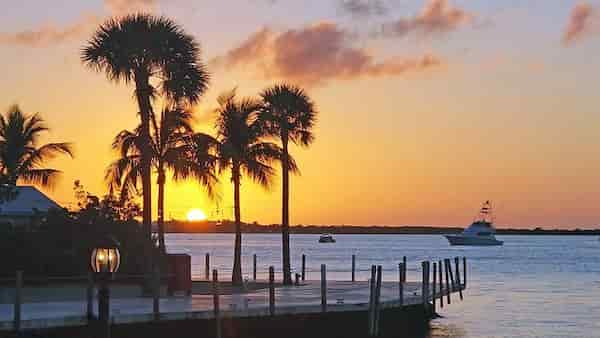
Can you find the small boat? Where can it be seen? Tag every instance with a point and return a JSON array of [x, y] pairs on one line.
[[326, 238], [480, 233]]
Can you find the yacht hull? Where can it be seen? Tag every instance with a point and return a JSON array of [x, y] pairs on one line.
[[472, 240]]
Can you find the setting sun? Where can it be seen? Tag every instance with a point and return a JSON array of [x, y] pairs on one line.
[[195, 215]]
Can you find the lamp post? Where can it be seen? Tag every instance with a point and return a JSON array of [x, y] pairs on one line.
[[105, 261]]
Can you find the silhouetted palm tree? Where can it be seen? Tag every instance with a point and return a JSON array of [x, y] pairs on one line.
[[148, 50], [172, 148], [290, 115], [242, 150], [21, 157]]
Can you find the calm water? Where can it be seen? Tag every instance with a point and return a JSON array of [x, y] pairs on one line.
[[533, 286]]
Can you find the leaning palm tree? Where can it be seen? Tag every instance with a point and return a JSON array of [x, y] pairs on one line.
[[172, 148], [290, 115], [21, 156], [242, 150], [157, 56]]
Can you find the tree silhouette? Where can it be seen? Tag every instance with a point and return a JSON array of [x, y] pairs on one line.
[[289, 115], [157, 56], [242, 150], [21, 158]]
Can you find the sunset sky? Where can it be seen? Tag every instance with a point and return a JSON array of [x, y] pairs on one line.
[[426, 107]]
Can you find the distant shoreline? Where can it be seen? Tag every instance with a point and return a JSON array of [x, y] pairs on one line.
[[228, 227]]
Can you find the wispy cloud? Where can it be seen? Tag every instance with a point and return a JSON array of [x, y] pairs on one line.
[[580, 20], [52, 34], [121, 7], [363, 8], [314, 55], [438, 16]]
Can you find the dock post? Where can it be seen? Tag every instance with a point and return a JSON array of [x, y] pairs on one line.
[[452, 281], [401, 283], [448, 289], [216, 308], [404, 270], [377, 301], [18, 300], [464, 272], [441, 284], [254, 267], [89, 293], [271, 291], [433, 300], [303, 267], [207, 266], [371, 315], [323, 288], [353, 267], [297, 282], [457, 270], [425, 286], [156, 292]]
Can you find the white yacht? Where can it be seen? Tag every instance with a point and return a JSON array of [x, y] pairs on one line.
[[481, 232], [326, 238]]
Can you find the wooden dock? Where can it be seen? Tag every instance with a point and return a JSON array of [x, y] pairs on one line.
[[262, 300]]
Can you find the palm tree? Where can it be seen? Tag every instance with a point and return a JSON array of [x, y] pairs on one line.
[[160, 59], [290, 115], [172, 148], [242, 150], [21, 158]]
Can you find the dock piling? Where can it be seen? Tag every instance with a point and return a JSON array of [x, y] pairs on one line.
[[303, 267], [434, 296], [353, 267], [425, 285], [464, 272], [371, 314], [323, 288], [457, 270], [377, 301], [207, 266], [254, 267], [404, 270], [401, 283], [441, 284], [18, 300], [89, 295], [216, 308], [452, 281], [271, 291], [448, 289], [156, 292]]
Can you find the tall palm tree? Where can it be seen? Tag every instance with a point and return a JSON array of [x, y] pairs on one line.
[[172, 148], [157, 56], [21, 156], [290, 115], [242, 150]]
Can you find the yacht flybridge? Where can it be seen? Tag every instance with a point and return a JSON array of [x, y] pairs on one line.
[[481, 232]]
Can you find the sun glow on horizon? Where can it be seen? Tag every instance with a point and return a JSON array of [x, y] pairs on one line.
[[195, 215]]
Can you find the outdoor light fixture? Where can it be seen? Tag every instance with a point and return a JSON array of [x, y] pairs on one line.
[[105, 259]]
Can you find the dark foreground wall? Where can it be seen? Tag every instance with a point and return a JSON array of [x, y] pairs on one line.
[[408, 322]]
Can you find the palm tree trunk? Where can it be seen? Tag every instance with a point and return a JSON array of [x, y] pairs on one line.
[[236, 276], [161, 211], [285, 214], [143, 92]]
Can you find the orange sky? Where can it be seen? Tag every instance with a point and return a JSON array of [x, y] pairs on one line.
[[508, 112]]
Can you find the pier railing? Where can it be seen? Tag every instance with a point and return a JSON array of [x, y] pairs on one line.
[[439, 279]]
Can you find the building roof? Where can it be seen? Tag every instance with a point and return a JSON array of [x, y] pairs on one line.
[[27, 202]]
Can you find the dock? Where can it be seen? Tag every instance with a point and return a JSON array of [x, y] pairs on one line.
[[265, 305]]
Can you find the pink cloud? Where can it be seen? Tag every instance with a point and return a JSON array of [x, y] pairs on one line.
[[436, 17], [579, 23], [314, 55]]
